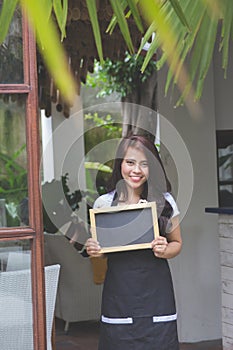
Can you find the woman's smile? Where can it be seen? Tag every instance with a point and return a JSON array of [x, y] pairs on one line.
[[135, 178]]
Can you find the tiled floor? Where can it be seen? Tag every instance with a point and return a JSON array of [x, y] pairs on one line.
[[84, 336]]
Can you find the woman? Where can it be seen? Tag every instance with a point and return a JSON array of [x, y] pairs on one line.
[[138, 306]]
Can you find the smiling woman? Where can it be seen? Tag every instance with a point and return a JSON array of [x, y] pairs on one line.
[[138, 297]]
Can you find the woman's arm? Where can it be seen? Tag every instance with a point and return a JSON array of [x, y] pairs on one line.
[[170, 246]]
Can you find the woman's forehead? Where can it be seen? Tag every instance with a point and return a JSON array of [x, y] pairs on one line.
[[135, 153]]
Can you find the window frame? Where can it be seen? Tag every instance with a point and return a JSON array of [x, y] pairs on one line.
[[33, 232]]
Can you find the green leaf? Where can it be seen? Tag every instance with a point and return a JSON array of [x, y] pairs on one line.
[[135, 13], [150, 31], [207, 36], [7, 12], [61, 15], [178, 10], [226, 33], [91, 5], [51, 49], [112, 25], [117, 8], [153, 47], [48, 6], [89, 182], [184, 46], [165, 36], [113, 21], [194, 61], [98, 166]]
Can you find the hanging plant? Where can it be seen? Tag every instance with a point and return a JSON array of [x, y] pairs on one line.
[[121, 77]]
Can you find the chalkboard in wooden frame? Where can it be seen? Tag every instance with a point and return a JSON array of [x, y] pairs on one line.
[[124, 227]]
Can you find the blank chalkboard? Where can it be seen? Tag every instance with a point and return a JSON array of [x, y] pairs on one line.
[[127, 227]]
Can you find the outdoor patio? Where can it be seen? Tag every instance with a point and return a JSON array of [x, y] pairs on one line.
[[84, 336]]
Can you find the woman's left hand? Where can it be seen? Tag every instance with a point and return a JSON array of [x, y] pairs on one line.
[[159, 246], [170, 246]]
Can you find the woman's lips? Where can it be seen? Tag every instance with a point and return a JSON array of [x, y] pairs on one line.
[[136, 178]]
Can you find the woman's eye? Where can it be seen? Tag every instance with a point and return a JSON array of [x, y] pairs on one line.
[[144, 164], [130, 162]]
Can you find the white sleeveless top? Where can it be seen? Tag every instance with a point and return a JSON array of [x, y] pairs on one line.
[[106, 201]]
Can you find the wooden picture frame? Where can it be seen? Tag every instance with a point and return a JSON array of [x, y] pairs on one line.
[[125, 227]]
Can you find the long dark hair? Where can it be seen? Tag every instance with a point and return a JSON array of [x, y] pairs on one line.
[[157, 183]]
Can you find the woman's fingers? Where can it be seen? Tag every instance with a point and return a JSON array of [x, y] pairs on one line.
[[92, 247], [159, 246]]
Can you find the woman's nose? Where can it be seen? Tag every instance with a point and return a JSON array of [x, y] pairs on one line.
[[137, 168]]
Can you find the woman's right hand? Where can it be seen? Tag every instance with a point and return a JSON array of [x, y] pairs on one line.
[[93, 248]]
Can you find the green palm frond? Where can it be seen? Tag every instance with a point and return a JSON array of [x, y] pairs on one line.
[[51, 48], [227, 33], [186, 33], [180, 13], [47, 37], [91, 5], [61, 14], [169, 31], [135, 13], [194, 47], [7, 11], [120, 16]]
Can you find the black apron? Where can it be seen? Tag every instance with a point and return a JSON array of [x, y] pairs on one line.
[[138, 286], [138, 305]]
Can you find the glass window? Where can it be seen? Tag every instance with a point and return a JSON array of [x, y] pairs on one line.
[[15, 255], [16, 326], [13, 162], [225, 167], [11, 52]]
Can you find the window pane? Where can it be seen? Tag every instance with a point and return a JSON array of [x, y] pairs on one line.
[[13, 162], [225, 167], [15, 255], [11, 52], [16, 326]]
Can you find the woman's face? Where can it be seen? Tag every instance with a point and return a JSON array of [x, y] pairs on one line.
[[135, 169]]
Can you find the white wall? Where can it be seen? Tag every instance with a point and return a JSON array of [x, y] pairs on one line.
[[223, 92], [68, 144], [63, 150], [196, 271], [47, 161]]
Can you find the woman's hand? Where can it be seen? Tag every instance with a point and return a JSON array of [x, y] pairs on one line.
[[93, 248], [159, 246], [171, 246]]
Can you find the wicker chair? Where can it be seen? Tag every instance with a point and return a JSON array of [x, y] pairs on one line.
[[78, 296], [16, 321]]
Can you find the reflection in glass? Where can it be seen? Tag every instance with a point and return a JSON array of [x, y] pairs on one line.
[[13, 162], [225, 167], [16, 326], [11, 52], [15, 255]]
